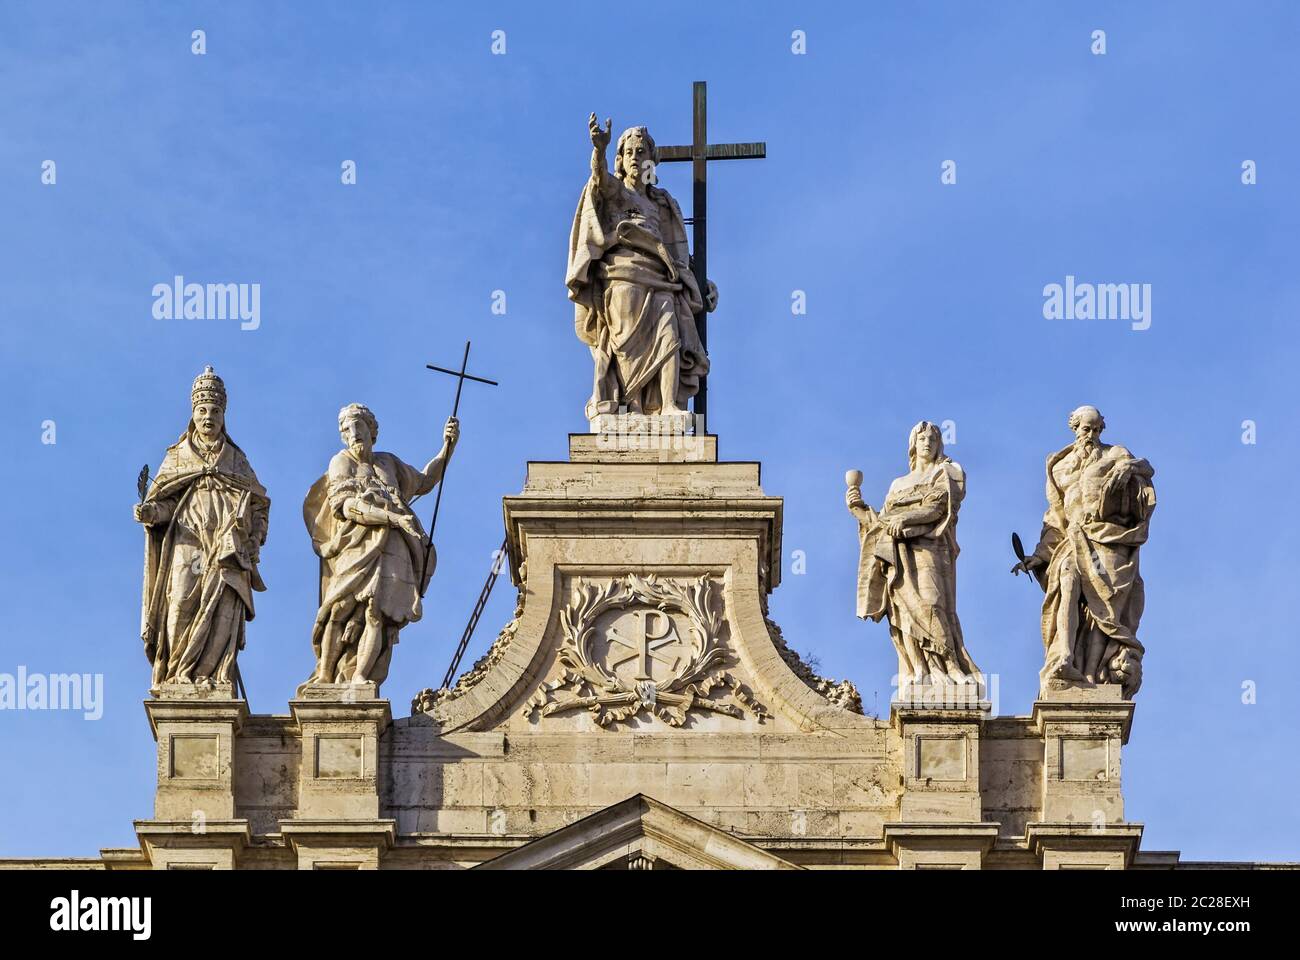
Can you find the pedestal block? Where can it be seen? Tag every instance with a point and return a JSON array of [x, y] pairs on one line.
[[1083, 730], [195, 730], [337, 823], [194, 824], [618, 437], [339, 726], [940, 814], [941, 748]]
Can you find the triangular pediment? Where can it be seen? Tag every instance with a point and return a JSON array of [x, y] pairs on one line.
[[638, 833]]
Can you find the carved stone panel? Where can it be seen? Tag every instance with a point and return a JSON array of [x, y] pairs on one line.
[[1084, 758], [645, 646]]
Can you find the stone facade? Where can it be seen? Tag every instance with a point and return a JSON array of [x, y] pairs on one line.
[[639, 712]]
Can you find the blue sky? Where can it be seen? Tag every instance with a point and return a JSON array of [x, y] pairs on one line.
[[924, 301]]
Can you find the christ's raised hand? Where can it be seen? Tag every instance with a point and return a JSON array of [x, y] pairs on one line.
[[600, 138]]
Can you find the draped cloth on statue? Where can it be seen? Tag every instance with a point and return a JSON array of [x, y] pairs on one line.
[[200, 567], [364, 562], [635, 297], [1098, 515], [912, 579]]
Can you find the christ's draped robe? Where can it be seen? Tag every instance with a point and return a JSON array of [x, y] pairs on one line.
[[635, 296], [912, 579], [201, 560]]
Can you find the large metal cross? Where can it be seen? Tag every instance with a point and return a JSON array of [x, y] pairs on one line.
[[700, 152]]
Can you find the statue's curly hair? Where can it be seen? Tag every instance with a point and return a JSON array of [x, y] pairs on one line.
[[1077, 414], [353, 410]]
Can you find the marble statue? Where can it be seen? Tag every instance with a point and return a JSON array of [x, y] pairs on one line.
[[372, 549], [629, 276], [205, 519], [907, 568], [1099, 504]]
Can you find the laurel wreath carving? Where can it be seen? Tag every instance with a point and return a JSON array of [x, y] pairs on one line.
[[585, 683]]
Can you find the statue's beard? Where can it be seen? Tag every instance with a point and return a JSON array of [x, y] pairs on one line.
[[1086, 448], [359, 449], [634, 175]]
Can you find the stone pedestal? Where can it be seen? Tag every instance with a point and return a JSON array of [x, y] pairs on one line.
[[1083, 730], [627, 438], [940, 814], [194, 822], [339, 726], [337, 822], [941, 748], [639, 432], [195, 730], [1082, 825]]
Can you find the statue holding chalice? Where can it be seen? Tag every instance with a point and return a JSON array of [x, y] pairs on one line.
[[907, 567]]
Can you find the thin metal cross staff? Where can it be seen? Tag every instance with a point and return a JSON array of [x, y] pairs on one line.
[[461, 376]]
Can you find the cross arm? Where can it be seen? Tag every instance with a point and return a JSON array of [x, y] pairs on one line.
[[714, 151], [459, 373]]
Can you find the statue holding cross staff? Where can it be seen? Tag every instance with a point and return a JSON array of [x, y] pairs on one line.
[[376, 559], [372, 549]]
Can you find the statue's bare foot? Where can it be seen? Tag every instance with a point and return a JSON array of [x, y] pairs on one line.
[[673, 411], [1067, 671]]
